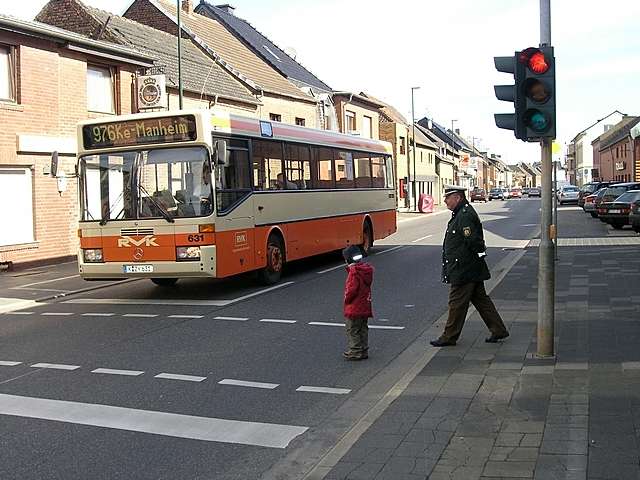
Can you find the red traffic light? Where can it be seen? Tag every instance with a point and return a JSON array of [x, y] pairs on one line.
[[534, 60]]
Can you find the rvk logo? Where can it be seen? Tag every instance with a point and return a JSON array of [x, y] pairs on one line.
[[241, 238], [147, 241]]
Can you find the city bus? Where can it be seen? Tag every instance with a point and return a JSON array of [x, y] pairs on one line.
[[170, 195]]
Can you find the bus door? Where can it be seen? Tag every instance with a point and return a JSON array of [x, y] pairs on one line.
[[235, 236]]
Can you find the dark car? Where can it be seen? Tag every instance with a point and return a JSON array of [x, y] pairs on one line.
[[614, 191], [478, 194], [590, 188], [496, 193], [535, 192], [616, 213], [634, 216], [590, 202], [525, 190], [597, 201]]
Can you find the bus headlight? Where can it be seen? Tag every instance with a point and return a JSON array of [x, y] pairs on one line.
[[187, 253], [93, 255]]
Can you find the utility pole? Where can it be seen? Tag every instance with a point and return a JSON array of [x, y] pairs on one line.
[[179, 56], [413, 134], [453, 152], [546, 263]]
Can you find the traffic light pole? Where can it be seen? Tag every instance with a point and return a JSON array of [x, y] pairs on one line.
[[546, 254]]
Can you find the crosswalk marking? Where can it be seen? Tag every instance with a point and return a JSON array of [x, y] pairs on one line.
[[233, 319], [385, 327], [276, 320], [186, 316], [175, 376], [56, 366], [140, 315], [20, 313], [242, 383], [98, 314], [6, 363], [327, 324], [147, 421], [113, 371], [57, 314], [337, 391]]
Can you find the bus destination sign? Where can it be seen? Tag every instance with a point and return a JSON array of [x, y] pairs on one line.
[[180, 128]]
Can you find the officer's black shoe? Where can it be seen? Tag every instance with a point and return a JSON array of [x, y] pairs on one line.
[[438, 342], [496, 338]]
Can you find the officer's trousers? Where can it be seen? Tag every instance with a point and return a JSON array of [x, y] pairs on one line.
[[459, 298]]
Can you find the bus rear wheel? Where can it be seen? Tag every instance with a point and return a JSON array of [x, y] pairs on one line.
[[367, 238], [164, 282], [275, 261]]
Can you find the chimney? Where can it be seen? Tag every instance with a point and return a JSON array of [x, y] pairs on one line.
[[457, 131], [227, 8], [187, 6]]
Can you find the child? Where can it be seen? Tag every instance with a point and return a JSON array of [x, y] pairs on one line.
[[357, 303]]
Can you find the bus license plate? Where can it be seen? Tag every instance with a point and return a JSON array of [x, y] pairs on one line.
[[138, 269]]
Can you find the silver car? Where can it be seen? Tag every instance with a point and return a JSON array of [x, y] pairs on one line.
[[568, 194]]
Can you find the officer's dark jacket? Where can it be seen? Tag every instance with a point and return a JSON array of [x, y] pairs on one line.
[[462, 244]]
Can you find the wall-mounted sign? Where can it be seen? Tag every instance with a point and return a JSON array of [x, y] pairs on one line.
[[151, 91], [619, 165], [178, 128]]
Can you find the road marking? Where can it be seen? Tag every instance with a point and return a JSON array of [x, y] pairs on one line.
[[385, 327], [98, 314], [242, 383], [44, 281], [327, 324], [6, 363], [111, 371], [421, 238], [146, 421], [260, 292], [140, 315], [390, 250], [342, 265], [337, 391], [233, 319], [55, 366], [530, 225], [56, 314], [186, 316], [8, 305], [175, 376], [20, 313], [275, 320], [130, 301]]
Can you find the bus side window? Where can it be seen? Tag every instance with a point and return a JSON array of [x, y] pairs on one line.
[[363, 170], [344, 170], [267, 164], [297, 165], [322, 168], [379, 171]]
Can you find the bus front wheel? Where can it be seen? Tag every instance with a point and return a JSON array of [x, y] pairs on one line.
[[275, 261], [164, 282]]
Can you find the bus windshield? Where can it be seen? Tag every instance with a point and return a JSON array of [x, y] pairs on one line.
[[162, 183]]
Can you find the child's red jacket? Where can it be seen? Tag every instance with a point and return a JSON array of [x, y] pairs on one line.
[[357, 291]]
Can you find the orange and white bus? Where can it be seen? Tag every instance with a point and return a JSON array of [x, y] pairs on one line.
[[169, 195]]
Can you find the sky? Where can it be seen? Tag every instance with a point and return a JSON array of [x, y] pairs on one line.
[[447, 48]]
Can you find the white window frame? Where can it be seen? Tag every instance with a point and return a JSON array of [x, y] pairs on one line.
[[8, 63], [367, 132], [347, 115], [95, 82]]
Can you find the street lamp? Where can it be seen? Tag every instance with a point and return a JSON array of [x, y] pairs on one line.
[[413, 134], [453, 157], [473, 154]]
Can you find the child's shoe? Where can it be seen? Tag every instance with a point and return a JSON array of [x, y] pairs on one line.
[[355, 355]]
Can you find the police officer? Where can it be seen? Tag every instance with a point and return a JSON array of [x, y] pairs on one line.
[[464, 267]]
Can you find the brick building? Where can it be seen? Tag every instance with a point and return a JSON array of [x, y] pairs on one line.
[[616, 152], [49, 80]]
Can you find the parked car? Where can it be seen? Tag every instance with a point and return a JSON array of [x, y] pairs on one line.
[[497, 193], [568, 194], [478, 194], [535, 192], [597, 201], [616, 213], [515, 193], [589, 189], [634, 216], [590, 202], [614, 191], [525, 190]]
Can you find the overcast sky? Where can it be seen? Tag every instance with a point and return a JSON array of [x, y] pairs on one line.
[[447, 49]]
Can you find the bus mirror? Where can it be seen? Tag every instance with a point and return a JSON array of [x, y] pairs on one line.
[[54, 164], [222, 157]]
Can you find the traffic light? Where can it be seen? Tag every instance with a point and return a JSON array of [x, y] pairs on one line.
[[533, 94]]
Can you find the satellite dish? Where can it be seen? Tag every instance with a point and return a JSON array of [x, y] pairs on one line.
[[291, 52]]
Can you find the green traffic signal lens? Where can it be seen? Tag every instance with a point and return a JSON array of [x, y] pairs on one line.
[[536, 120]]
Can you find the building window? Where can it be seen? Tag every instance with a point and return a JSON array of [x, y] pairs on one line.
[[100, 90], [300, 121], [367, 127], [7, 74], [275, 117], [349, 121], [403, 146]]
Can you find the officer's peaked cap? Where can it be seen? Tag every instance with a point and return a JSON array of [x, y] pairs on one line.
[[449, 189]]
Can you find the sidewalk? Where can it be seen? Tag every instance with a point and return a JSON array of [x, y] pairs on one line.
[[483, 411]]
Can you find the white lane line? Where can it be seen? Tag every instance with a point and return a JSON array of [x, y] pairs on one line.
[[98, 314], [530, 225], [111, 371], [385, 327], [242, 383], [6, 363], [421, 238], [260, 292], [233, 319], [175, 376], [186, 316], [327, 324], [331, 269], [140, 315], [276, 320], [390, 250], [45, 281], [146, 421], [336, 391], [20, 313], [56, 314], [130, 301], [55, 366]]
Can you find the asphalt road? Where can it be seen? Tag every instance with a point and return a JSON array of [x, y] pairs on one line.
[[210, 379]]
